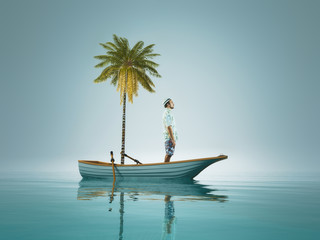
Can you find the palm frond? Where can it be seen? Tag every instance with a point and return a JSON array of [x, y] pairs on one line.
[[129, 89], [136, 49], [143, 80], [146, 67], [152, 55], [117, 41], [122, 83], [151, 63], [102, 64], [106, 73], [135, 82], [106, 46], [126, 45], [122, 44], [146, 50], [113, 46], [115, 79], [102, 57]]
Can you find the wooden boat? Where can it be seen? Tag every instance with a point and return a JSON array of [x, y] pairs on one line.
[[186, 169]]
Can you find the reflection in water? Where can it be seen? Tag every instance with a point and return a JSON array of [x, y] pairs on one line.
[[121, 215], [189, 190], [168, 231], [139, 191]]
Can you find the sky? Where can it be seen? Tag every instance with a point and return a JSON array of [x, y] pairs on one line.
[[244, 77]]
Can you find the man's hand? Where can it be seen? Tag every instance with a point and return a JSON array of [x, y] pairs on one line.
[[171, 136]]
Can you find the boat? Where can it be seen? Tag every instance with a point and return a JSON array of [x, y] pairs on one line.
[[186, 169]]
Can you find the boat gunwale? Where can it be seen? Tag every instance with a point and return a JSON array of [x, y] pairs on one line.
[[99, 163]]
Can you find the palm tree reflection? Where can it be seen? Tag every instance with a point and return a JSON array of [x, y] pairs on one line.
[[121, 215]]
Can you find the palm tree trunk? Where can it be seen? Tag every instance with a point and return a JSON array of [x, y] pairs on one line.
[[124, 122], [123, 129]]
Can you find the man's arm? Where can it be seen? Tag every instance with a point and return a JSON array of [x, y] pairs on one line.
[[171, 136]]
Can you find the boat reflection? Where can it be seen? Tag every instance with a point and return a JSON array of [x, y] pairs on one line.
[[189, 190], [166, 191]]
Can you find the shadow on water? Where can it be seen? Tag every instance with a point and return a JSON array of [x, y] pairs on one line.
[[163, 190]]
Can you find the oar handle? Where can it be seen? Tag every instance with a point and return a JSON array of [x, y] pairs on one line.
[[135, 160], [112, 160], [114, 175]]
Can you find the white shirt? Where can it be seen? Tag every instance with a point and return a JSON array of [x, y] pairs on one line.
[[168, 120]]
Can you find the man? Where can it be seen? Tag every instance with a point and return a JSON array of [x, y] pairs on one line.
[[169, 129]]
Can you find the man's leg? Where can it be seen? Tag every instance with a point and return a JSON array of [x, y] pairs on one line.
[[169, 151], [167, 158]]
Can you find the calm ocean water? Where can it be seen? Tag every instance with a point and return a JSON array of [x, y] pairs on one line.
[[48, 206]]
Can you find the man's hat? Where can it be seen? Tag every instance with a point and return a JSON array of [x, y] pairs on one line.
[[166, 101]]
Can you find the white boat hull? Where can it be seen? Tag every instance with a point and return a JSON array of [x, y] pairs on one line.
[[173, 170]]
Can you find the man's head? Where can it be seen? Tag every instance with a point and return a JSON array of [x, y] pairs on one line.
[[168, 103]]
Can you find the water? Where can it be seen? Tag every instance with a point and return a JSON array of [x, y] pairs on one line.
[[243, 207]]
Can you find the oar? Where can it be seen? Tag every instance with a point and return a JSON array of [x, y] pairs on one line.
[[135, 160], [112, 160], [114, 177]]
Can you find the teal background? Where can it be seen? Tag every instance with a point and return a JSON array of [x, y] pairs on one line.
[[244, 76]]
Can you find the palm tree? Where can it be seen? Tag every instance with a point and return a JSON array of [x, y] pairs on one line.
[[127, 68]]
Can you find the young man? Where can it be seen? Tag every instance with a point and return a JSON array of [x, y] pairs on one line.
[[169, 129]]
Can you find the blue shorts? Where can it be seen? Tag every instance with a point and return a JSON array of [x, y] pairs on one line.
[[169, 147]]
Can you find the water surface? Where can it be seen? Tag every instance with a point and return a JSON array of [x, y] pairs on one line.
[[65, 206]]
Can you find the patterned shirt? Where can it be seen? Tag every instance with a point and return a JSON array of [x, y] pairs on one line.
[[168, 120]]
